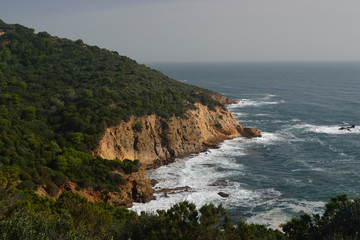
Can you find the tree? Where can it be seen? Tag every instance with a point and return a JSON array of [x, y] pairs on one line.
[[29, 113]]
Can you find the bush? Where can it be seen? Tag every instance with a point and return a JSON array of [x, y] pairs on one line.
[[29, 113], [137, 127], [129, 166], [59, 179], [26, 185], [341, 220]]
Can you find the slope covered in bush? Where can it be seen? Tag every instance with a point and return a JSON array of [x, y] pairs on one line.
[[57, 97]]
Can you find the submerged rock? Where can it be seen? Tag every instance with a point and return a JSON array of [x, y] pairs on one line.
[[222, 183]]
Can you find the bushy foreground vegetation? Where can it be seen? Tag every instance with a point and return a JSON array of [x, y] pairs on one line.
[[25, 215], [57, 97], [341, 220]]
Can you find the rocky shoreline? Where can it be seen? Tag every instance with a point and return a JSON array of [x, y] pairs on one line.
[[160, 141]]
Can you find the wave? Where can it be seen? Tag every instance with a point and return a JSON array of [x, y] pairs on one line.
[[239, 114], [282, 211], [203, 175], [268, 96], [242, 103], [327, 129]]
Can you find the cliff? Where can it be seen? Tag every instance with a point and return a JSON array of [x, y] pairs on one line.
[[155, 140]]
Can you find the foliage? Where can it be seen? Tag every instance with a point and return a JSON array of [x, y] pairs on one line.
[[341, 220], [29, 216], [57, 97], [137, 127]]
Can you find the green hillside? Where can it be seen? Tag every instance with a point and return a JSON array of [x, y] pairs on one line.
[[57, 97]]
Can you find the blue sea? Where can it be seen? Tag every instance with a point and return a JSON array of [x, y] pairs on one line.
[[302, 157]]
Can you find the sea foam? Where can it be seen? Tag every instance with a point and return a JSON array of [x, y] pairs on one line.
[[326, 129]]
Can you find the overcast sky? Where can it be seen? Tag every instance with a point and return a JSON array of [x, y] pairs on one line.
[[201, 30]]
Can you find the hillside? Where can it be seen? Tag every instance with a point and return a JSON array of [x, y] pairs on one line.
[[58, 96]]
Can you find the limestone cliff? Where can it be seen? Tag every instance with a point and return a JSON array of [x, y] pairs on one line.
[[152, 139]]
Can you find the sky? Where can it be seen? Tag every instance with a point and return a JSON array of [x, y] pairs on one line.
[[201, 30]]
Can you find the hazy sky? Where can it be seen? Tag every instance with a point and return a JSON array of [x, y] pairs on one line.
[[201, 30]]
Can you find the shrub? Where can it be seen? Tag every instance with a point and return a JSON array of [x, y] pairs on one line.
[[26, 185], [137, 127]]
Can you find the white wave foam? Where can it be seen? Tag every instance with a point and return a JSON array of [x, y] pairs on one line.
[[329, 129], [205, 173], [269, 96], [241, 103], [239, 114], [208, 173], [283, 211], [273, 138]]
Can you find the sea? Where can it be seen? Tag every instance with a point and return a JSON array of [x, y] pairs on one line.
[[302, 157]]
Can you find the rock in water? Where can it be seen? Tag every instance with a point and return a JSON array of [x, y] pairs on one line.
[[251, 132], [224, 195]]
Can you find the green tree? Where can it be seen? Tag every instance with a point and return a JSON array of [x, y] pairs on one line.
[[29, 113]]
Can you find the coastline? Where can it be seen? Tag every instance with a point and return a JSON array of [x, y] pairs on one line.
[[161, 141]]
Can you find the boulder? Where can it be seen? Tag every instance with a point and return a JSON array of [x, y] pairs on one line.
[[250, 132]]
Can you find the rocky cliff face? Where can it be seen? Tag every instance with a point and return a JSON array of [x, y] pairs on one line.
[[155, 141], [152, 139]]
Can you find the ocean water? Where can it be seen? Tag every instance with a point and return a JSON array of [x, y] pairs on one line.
[[301, 159]]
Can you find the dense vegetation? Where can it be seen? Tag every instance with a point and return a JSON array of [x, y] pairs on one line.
[[57, 97], [25, 215]]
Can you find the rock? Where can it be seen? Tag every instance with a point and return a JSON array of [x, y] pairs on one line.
[[153, 182], [251, 132], [224, 195], [173, 190], [222, 183], [347, 128], [163, 139]]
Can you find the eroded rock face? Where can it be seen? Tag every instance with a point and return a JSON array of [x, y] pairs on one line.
[[167, 139]]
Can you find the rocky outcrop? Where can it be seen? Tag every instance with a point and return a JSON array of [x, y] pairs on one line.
[[136, 189], [153, 140], [251, 132]]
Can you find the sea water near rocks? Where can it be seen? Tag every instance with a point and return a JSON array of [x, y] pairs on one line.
[[300, 161]]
